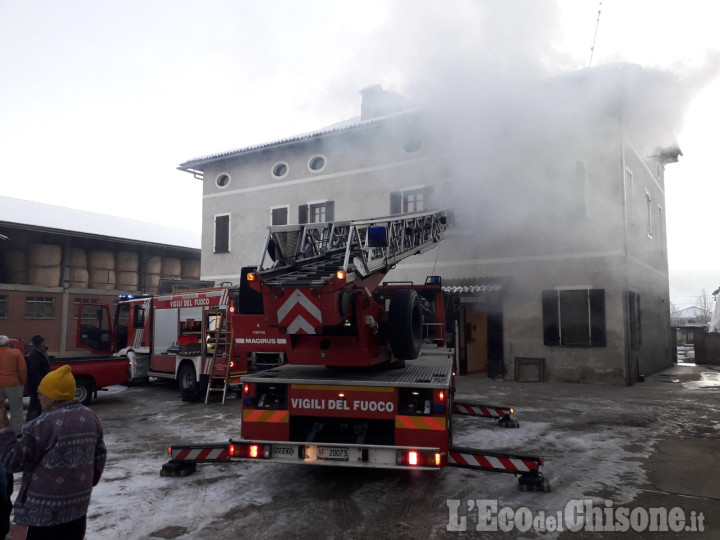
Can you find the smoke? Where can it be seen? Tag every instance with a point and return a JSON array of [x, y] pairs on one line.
[[506, 108]]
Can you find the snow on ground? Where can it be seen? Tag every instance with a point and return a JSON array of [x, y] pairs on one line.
[[595, 441]]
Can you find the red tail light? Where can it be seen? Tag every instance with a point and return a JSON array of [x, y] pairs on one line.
[[414, 458], [254, 451]]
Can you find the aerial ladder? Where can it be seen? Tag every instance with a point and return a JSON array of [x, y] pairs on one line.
[[317, 282]]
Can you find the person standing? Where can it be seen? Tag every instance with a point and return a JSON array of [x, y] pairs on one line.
[[61, 455], [13, 374], [38, 365]]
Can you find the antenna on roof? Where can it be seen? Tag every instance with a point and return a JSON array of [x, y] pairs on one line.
[[597, 24]]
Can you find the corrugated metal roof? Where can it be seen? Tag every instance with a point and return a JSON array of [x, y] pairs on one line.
[[345, 125], [46, 216]]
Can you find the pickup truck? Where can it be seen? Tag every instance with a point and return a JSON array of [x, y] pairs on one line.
[[92, 373]]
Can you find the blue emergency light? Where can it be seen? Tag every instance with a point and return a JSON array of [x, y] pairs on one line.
[[377, 236]]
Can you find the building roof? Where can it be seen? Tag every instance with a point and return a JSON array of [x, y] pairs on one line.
[[350, 124], [35, 215]]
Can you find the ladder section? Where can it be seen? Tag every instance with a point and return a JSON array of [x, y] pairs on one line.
[[219, 365], [310, 254]]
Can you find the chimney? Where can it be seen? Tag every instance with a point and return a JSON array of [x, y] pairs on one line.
[[378, 102]]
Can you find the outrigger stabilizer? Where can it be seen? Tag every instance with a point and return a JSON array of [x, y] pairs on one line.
[[527, 468], [501, 413], [184, 460]]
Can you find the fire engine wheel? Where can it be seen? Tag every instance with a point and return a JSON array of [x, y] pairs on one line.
[[83, 391], [186, 377], [406, 320]]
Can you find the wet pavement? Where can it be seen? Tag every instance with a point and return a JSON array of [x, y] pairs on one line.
[[652, 447]]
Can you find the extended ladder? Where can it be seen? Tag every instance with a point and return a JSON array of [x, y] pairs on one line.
[[306, 255], [222, 354]]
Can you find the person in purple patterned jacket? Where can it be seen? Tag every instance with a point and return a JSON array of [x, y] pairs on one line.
[[61, 455]]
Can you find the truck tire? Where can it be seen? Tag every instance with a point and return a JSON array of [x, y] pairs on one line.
[[84, 390], [186, 377], [406, 320]]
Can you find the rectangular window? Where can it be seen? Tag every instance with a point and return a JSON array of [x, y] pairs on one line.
[[411, 200], [79, 301], [39, 307], [574, 317], [279, 215], [648, 213], [316, 212], [4, 310], [222, 233]]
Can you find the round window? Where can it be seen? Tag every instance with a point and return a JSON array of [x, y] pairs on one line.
[[280, 169], [412, 145], [316, 163], [222, 180]]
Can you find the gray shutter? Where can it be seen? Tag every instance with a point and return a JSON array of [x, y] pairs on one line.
[[597, 318], [303, 214], [551, 321], [396, 202], [330, 211]]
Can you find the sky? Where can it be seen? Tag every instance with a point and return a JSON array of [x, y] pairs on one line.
[[100, 101]]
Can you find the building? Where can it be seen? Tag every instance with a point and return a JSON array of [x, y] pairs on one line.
[[558, 251], [55, 258]]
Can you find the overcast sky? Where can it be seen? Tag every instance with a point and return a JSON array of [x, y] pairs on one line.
[[101, 100]]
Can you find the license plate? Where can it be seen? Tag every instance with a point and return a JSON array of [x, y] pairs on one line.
[[330, 452]]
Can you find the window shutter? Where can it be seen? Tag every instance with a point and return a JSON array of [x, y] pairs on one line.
[[396, 202], [428, 201], [279, 216], [551, 329], [330, 211], [303, 214], [222, 234], [597, 318]]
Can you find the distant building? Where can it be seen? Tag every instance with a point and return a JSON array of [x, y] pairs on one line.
[[54, 258], [558, 254]]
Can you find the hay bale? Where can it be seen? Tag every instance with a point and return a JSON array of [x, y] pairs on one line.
[[79, 278], [153, 265], [78, 258], [44, 276], [101, 260], [126, 280], [190, 269], [126, 261], [171, 267], [102, 279], [152, 280], [44, 255]]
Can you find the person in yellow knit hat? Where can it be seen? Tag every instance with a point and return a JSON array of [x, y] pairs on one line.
[[61, 455]]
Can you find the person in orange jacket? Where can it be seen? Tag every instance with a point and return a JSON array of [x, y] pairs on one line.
[[13, 374]]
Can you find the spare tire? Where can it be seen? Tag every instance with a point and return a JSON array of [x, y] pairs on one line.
[[406, 321]]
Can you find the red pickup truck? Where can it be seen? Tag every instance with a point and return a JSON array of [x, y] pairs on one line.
[[92, 373]]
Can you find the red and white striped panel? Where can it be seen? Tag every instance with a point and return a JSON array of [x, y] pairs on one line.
[[483, 461], [300, 313], [201, 454], [480, 410]]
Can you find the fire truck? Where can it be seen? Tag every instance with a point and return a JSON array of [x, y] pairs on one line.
[[193, 337], [370, 374]]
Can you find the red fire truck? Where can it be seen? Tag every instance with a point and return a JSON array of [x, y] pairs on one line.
[[369, 379], [189, 336]]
